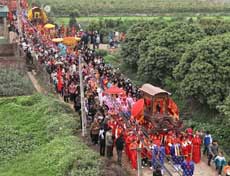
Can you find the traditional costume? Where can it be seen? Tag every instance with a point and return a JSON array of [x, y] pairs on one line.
[[196, 152], [188, 168]]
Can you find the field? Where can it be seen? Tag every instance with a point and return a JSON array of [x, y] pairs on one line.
[[37, 138], [86, 20], [134, 7]]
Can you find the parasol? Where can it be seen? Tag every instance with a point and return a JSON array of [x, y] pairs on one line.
[[49, 26], [114, 90], [59, 63], [69, 41], [78, 39], [57, 40], [138, 108]]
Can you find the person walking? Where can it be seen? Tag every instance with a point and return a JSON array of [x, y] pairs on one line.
[[109, 143], [220, 162], [119, 147], [212, 151], [95, 127], [207, 142]]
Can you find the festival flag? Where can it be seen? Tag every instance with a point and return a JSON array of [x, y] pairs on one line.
[[173, 109]]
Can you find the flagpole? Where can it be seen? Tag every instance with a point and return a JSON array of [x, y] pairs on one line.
[[83, 117]]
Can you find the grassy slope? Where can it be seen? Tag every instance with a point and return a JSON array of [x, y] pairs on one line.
[[37, 139]]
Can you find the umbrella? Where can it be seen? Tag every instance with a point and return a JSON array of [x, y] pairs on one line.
[[57, 40], [69, 41], [138, 108], [59, 63], [114, 90], [78, 39], [49, 26]]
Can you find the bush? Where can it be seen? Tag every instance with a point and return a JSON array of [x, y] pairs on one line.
[[14, 83]]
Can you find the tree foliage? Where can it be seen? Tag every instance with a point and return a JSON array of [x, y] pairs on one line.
[[162, 51], [204, 71], [225, 108], [136, 34], [157, 66]]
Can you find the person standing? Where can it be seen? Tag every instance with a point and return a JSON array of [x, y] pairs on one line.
[[196, 154], [207, 142], [109, 143], [119, 147], [95, 127], [102, 141], [212, 151], [220, 162]]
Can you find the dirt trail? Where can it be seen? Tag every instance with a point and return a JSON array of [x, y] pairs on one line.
[[38, 88]]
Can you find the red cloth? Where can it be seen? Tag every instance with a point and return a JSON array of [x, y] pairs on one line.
[[196, 153]]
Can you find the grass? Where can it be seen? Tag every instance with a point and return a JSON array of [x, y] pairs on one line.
[[14, 82], [37, 138]]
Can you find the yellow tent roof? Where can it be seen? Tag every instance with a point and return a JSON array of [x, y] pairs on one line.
[[49, 26]]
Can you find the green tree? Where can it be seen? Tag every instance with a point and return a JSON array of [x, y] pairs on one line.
[[157, 66], [204, 71], [73, 15], [174, 40], [214, 26], [225, 108], [135, 35]]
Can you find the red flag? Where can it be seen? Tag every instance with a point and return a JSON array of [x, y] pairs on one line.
[[173, 109]]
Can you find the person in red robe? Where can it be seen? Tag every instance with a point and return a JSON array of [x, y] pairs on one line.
[[196, 152], [133, 154], [184, 147], [168, 142], [189, 148], [128, 141]]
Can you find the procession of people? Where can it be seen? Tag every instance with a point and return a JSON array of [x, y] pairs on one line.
[[109, 99]]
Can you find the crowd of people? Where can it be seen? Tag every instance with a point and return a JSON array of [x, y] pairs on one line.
[[109, 115]]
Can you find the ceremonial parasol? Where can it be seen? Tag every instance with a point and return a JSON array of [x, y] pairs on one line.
[[114, 90], [78, 39], [69, 41], [57, 40], [138, 108], [49, 26]]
